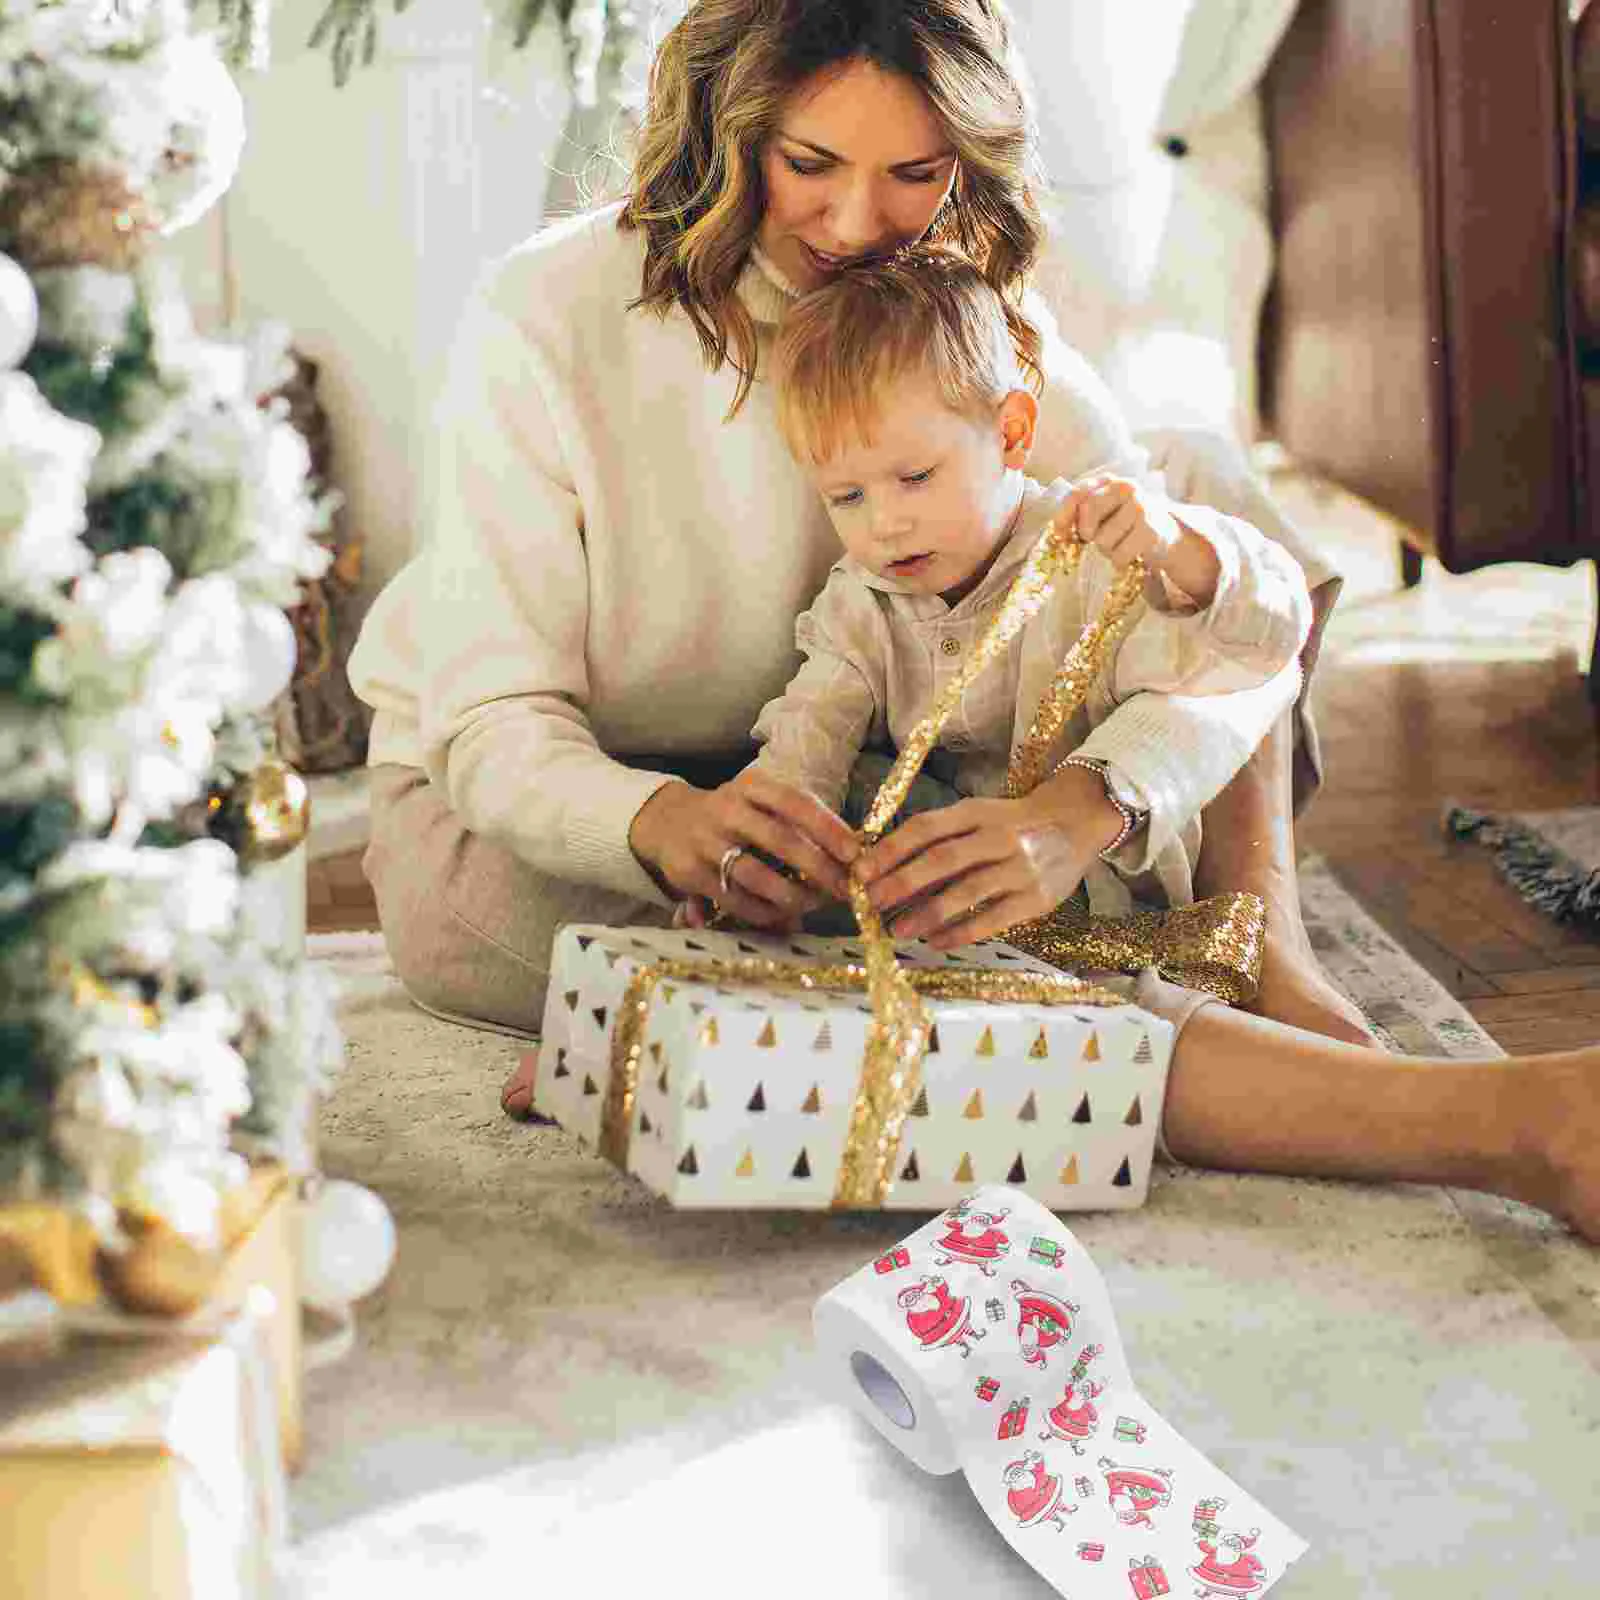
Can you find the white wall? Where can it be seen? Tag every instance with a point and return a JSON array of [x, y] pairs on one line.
[[361, 214]]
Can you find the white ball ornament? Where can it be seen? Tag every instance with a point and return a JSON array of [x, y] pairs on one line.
[[347, 1242], [19, 314]]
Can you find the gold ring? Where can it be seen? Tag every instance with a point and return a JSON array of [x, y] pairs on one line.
[[725, 866]]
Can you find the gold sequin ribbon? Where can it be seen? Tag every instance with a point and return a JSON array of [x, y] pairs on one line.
[[1215, 945]]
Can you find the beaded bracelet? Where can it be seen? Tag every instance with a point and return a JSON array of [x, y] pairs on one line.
[[1132, 820]]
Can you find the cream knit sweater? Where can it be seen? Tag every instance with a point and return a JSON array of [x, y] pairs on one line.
[[609, 566]]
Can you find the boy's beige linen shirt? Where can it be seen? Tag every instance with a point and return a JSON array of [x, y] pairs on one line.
[[610, 566], [878, 657]]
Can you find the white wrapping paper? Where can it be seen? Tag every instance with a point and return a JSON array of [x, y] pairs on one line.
[[986, 1343]]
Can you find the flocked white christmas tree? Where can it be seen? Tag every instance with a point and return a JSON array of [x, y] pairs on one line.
[[155, 521]]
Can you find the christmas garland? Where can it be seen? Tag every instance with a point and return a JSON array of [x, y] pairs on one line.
[[156, 1029], [593, 28]]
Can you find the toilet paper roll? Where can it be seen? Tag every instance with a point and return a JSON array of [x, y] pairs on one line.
[[986, 1343]]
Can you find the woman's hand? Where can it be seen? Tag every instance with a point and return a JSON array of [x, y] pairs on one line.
[[970, 871], [682, 835]]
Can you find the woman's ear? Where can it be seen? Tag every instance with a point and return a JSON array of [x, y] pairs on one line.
[[1018, 420]]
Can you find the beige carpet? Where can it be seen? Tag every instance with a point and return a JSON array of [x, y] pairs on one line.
[[566, 1381]]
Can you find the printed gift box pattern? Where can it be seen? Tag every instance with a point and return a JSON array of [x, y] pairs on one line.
[[744, 1094]]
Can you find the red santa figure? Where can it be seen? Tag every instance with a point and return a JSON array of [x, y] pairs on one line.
[[1227, 1566], [973, 1237], [938, 1318], [1135, 1493], [1043, 1322], [1034, 1494], [1074, 1417]]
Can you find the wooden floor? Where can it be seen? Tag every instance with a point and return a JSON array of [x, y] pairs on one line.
[[1464, 689]]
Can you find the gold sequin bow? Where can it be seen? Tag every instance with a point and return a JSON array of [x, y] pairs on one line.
[[1215, 945]]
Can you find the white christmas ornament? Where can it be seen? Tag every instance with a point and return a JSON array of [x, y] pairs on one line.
[[347, 1244], [19, 313]]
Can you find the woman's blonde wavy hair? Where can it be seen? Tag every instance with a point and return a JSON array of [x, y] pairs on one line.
[[717, 88]]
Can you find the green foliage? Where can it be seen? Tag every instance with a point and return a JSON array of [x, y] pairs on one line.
[[31, 837], [350, 28], [21, 632], [27, 1079], [105, 389], [152, 510]]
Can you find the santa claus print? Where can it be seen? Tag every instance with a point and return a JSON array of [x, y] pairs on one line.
[[1228, 1566], [1044, 1322], [1136, 1492], [973, 1237], [936, 1318], [1074, 1417], [1034, 1493]]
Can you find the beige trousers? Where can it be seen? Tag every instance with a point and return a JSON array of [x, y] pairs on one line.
[[468, 924]]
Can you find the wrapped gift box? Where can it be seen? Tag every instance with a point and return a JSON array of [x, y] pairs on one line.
[[987, 1388], [142, 1469], [744, 1094], [1147, 1578], [1014, 1420]]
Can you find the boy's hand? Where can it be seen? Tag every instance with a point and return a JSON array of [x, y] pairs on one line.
[[1126, 523], [971, 870]]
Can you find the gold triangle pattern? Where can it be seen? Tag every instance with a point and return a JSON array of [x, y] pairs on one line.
[[661, 1082], [571, 997], [747, 1166], [1143, 1055], [1091, 1051], [562, 1069], [1082, 1113], [802, 1167], [824, 1038], [599, 1015], [655, 1051], [919, 1106], [1135, 1116], [1018, 1172], [986, 1043], [933, 1039], [757, 1101], [688, 1166], [699, 1100], [589, 1085], [1030, 1109], [911, 1172], [708, 1032], [974, 1106], [1069, 1173], [613, 957], [669, 992], [964, 1171], [1040, 1049], [585, 940], [768, 1037], [813, 1101], [645, 1124], [697, 1006], [1124, 1178]]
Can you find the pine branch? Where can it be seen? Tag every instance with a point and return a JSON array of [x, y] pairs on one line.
[[350, 27]]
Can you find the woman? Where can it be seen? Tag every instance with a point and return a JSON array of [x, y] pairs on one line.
[[619, 544]]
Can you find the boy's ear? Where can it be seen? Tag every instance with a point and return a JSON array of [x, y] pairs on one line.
[[1018, 420]]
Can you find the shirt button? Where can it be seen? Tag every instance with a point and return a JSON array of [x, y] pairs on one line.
[[950, 645]]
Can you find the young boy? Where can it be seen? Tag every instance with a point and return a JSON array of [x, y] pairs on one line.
[[900, 390]]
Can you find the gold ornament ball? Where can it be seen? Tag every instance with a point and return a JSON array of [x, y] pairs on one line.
[[161, 1272], [269, 813]]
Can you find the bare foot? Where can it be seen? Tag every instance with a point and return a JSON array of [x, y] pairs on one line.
[[516, 1094], [1294, 989], [1559, 1162]]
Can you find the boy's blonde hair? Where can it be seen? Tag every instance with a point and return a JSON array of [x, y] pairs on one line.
[[926, 311]]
